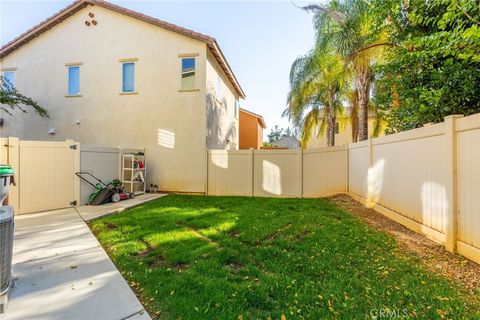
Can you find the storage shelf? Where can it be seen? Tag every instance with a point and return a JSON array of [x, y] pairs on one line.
[[129, 173]]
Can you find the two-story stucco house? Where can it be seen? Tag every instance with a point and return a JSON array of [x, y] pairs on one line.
[[251, 127], [114, 77]]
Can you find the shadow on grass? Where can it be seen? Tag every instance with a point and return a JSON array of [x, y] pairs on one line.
[[201, 257]]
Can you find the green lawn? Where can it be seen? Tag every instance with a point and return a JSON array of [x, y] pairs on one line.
[[196, 257]]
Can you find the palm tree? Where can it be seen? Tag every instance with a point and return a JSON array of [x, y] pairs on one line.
[[317, 82], [353, 115], [348, 26]]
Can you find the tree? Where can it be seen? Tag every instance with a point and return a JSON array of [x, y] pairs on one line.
[[434, 71], [348, 26], [11, 99], [277, 133], [317, 83]]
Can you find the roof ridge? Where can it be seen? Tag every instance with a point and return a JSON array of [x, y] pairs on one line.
[[69, 7]]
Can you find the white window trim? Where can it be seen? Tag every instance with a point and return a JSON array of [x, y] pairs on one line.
[[188, 56]]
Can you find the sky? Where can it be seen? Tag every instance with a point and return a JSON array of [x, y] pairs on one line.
[[260, 39]]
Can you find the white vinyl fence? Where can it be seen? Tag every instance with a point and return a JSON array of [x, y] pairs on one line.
[[45, 172], [427, 179], [277, 173], [468, 185]]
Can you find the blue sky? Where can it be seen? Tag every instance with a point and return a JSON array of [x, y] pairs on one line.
[[259, 39]]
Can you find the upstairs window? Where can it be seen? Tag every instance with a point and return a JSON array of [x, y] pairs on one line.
[[9, 80], [73, 80], [188, 73], [128, 77]]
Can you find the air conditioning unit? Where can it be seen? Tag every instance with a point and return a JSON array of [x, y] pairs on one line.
[[6, 251]]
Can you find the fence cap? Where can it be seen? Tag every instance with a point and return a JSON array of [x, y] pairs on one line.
[[6, 170]]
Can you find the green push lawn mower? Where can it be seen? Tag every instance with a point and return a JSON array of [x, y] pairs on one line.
[[113, 191]]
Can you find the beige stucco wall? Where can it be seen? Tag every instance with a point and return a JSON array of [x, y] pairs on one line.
[[342, 138], [222, 123], [171, 125]]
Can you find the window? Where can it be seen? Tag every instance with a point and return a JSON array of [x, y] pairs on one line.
[[188, 73], [9, 78], [128, 77], [73, 80], [218, 89]]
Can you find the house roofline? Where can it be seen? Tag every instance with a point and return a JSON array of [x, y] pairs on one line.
[[78, 5], [259, 117]]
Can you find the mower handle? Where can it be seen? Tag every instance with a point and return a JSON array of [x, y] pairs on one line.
[[80, 173]]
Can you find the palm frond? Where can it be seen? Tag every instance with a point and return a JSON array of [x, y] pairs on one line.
[[308, 126]]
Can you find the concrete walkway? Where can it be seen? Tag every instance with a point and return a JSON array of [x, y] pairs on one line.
[[93, 212], [63, 273]]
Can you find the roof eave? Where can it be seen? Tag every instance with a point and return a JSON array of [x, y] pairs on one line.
[[259, 117], [43, 26]]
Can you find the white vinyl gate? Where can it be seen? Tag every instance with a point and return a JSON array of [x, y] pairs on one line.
[[45, 178]]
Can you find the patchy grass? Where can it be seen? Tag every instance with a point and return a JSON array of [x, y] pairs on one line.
[[196, 257]]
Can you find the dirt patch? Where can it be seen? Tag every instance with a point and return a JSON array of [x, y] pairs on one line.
[[180, 266], [233, 234], [110, 226], [274, 235], [432, 255], [157, 262], [147, 251], [302, 235], [235, 265]]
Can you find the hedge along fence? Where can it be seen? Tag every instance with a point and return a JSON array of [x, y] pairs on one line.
[[427, 179]]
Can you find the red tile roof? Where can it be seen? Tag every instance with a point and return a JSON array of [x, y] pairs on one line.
[[80, 4]]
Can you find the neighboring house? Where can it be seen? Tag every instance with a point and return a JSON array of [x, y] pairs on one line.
[[343, 133], [251, 129], [287, 142], [114, 77]]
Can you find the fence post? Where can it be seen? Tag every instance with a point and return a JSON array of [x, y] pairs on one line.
[[206, 171], [300, 171], [120, 164], [347, 169], [76, 168], [14, 161], [370, 195], [451, 219], [252, 165]]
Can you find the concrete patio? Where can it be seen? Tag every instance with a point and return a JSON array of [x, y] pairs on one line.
[[94, 212], [62, 272]]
